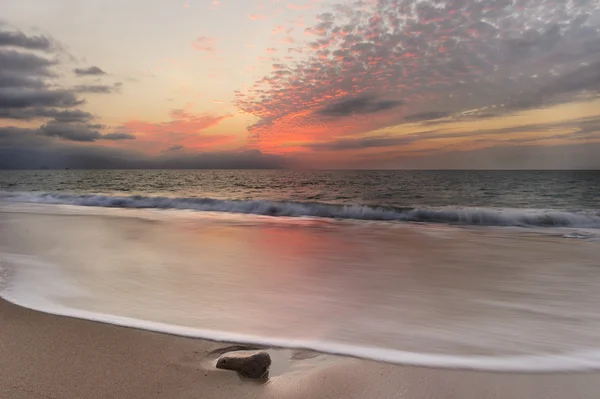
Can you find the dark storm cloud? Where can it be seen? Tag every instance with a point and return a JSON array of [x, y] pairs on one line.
[[19, 39], [25, 97], [74, 115], [70, 131], [28, 93], [79, 132], [15, 79], [360, 105], [25, 91], [27, 149], [97, 89], [117, 136], [91, 71], [25, 63]]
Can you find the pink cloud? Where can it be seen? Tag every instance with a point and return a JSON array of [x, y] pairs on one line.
[[277, 30], [271, 50], [204, 43], [366, 55], [299, 7], [255, 17], [184, 129]]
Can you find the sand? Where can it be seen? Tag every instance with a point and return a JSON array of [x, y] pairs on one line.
[[50, 357]]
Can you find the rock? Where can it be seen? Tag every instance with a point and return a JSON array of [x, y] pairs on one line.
[[249, 364]]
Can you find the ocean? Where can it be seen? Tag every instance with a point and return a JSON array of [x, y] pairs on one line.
[[486, 270]]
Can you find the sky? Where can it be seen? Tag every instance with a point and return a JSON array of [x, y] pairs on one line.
[[368, 84]]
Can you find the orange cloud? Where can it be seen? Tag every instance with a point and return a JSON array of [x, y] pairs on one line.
[[277, 30], [299, 7], [204, 43], [184, 129]]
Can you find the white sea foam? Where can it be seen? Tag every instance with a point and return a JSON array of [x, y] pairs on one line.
[[478, 298], [35, 284], [459, 215]]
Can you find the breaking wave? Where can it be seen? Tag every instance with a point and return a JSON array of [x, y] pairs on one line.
[[458, 215]]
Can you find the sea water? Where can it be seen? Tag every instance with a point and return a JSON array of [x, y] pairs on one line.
[[488, 284]]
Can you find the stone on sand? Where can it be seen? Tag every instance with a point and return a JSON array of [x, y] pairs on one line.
[[249, 364]]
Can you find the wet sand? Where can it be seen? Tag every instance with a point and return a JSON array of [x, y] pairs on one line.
[[51, 357]]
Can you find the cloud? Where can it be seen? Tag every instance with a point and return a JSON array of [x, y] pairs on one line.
[[118, 136], [27, 149], [587, 77], [27, 87], [26, 97], [70, 131], [440, 58], [360, 143], [173, 148], [204, 43], [15, 79], [91, 71], [184, 129], [360, 105], [569, 130], [25, 63], [96, 89], [19, 39], [29, 92], [74, 115], [79, 132], [297, 7], [426, 116]]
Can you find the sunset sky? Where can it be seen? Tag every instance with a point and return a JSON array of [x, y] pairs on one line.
[[300, 83]]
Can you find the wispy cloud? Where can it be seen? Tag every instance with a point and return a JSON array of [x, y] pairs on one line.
[[184, 129], [98, 89], [203, 43], [90, 71], [300, 7], [569, 130]]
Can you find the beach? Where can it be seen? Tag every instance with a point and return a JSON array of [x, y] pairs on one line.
[[139, 303], [51, 357]]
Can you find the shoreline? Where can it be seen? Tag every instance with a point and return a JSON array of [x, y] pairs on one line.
[[52, 357]]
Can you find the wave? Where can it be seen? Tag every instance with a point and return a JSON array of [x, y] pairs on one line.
[[35, 288], [456, 215]]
